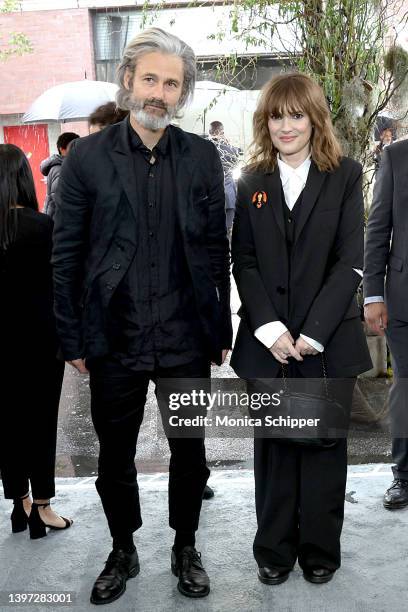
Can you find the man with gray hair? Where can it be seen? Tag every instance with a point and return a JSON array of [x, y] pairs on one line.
[[141, 268]]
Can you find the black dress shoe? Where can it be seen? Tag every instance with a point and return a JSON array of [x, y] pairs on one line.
[[111, 582], [270, 575], [318, 575], [397, 495], [193, 579], [208, 493]]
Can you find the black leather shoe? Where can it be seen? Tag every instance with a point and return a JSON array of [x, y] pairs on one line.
[[208, 493], [270, 575], [193, 579], [318, 575], [397, 495], [111, 582]]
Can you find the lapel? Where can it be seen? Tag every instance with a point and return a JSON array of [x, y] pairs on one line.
[[311, 192], [273, 188], [183, 163], [122, 158]]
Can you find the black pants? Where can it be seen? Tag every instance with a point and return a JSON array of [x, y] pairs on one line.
[[118, 396], [299, 495], [29, 411], [397, 338]]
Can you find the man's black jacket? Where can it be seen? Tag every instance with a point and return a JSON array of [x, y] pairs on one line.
[[95, 236]]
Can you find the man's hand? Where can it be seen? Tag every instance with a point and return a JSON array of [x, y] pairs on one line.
[[304, 348], [376, 317], [79, 364], [284, 348]]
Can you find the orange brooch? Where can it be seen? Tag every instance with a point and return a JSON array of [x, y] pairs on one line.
[[259, 199]]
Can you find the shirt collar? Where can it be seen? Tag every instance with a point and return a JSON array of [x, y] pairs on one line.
[[137, 144], [287, 172]]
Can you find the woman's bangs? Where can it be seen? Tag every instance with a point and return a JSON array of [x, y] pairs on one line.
[[285, 100]]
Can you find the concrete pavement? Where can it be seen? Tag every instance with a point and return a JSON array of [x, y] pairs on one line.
[[373, 576]]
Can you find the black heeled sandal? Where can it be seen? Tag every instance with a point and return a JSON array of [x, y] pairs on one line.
[[19, 518], [38, 527]]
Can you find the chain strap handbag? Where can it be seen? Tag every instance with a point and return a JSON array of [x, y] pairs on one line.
[[332, 416]]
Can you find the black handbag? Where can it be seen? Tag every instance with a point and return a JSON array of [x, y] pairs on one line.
[[332, 416]]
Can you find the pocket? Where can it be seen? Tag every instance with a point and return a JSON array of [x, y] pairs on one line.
[[396, 263], [328, 210]]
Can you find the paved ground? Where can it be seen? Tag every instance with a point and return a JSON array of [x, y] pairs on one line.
[[373, 575]]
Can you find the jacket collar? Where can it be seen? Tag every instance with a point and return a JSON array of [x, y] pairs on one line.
[[314, 184], [122, 157]]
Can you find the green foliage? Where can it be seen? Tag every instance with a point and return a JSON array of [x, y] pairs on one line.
[[341, 44], [18, 43], [8, 6]]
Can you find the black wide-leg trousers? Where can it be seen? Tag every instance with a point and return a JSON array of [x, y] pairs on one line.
[[118, 397], [299, 496], [31, 391], [397, 338]]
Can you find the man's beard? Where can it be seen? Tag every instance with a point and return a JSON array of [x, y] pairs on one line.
[[148, 120]]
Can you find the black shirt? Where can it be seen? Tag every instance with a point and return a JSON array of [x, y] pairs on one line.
[[153, 316]]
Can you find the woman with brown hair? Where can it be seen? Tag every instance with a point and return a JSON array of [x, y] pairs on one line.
[[297, 258]]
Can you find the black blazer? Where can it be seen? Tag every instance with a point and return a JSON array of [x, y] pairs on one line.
[[317, 297], [95, 236], [27, 324], [386, 249]]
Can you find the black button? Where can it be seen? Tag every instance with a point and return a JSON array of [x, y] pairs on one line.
[[151, 174], [150, 204], [281, 290], [116, 266], [151, 234], [154, 293], [289, 220], [110, 287], [153, 264]]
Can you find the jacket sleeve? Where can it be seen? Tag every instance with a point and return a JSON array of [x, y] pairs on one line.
[[254, 297], [379, 228], [333, 300], [70, 234], [53, 178], [218, 247]]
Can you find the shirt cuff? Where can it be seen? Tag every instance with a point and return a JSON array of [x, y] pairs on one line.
[[270, 332], [373, 299], [316, 345], [359, 272]]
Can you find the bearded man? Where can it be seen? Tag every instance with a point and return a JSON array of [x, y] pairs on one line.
[[141, 269]]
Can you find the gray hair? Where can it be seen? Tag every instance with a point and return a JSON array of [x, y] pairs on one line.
[[148, 41]]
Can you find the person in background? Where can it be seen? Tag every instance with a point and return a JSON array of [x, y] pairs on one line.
[[385, 298], [297, 253], [31, 375], [51, 168], [229, 156], [106, 114], [386, 138]]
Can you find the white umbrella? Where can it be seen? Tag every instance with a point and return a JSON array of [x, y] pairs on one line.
[[208, 94], [208, 91], [70, 101]]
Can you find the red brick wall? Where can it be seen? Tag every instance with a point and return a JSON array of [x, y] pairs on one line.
[[63, 51]]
